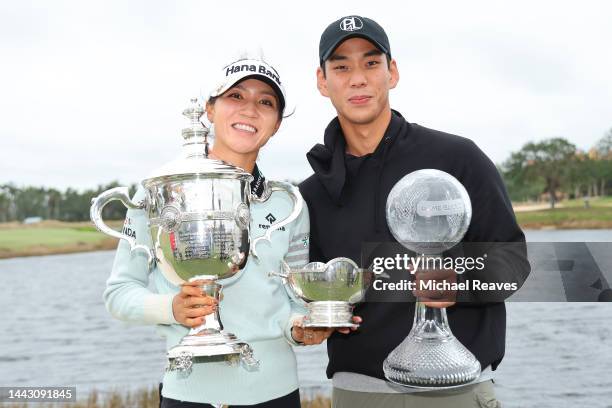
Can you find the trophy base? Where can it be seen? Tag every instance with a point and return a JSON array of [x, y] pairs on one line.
[[211, 344], [203, 351], [431, 364], [432, 388], [329, 313]]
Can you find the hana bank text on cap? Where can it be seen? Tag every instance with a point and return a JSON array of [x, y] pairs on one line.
[[251, 68]]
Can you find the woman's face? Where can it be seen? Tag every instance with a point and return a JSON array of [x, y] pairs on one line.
[[245, 117]]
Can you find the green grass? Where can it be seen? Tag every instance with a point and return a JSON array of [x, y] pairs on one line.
[[572, 214], [597, 202], [59, 237], [86, 228], [53, 237], [19, 239]]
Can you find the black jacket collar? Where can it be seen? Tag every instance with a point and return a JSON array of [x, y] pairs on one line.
[[327, 160]]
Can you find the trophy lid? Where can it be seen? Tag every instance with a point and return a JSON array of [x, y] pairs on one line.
[[194, 160]]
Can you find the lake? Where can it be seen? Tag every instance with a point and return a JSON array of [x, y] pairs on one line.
[[56, 331]]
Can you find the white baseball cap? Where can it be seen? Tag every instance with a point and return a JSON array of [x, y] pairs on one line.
[[250, 68]]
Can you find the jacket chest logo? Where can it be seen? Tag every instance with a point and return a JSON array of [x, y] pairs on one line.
[[270, 218]]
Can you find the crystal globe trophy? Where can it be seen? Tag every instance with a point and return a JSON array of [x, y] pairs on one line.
[[429, 211]]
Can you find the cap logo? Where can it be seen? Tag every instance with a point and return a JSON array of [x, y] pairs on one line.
[[351, 24], [260, 69]]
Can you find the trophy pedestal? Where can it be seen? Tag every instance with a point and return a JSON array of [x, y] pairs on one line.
[[329, 313], [210, 344], [431, 357], [209, 339], [208, 350]]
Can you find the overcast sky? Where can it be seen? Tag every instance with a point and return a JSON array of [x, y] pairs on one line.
[[93, 91]]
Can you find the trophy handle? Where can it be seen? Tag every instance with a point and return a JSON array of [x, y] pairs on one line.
[[97, 205], [291, 291], [298, 203]]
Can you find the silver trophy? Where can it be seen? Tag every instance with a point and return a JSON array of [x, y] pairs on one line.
[[328, 290], [428, 212], [199, 221]]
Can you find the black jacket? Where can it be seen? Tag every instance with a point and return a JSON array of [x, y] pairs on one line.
[[346, 197]]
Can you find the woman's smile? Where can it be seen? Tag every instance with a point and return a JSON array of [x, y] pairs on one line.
[[244, 127]]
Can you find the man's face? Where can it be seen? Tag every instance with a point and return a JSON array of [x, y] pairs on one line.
[[357, 79]]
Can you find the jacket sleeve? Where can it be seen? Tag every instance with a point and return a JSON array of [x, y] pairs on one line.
[[127, 295], [494, 233], [297, 257]]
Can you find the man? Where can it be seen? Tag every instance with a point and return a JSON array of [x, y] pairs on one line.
[[367, 148]]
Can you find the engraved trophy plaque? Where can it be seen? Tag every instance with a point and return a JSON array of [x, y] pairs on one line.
[[199, 222], [429, 211]]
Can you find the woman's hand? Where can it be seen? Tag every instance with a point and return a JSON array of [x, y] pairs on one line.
[[190, 305], [316, 335]]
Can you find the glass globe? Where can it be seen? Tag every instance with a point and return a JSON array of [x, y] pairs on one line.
[[428, 211]]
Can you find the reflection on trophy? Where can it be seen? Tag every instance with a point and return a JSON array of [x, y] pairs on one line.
[[328, 291], [428, 212], [199, 221]]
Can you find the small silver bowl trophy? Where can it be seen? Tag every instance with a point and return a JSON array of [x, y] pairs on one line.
[[328, 290], [199, 222], [429, 212]]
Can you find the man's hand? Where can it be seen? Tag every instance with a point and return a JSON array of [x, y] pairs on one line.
[[436, 298], [316, 335], [190, 305]]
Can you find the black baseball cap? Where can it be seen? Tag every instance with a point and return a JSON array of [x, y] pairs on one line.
[[350, 27]]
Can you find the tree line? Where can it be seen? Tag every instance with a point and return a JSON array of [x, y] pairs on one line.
[[556, 169], [16, 203], [551, 169]]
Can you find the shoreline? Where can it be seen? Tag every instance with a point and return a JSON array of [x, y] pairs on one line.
[[568, 225], [40, 250], [52, 237], [108, 244]]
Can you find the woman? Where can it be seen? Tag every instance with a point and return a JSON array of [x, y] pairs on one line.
[[246, 109]]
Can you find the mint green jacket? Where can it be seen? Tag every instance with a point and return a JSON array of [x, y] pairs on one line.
[[255, 307]]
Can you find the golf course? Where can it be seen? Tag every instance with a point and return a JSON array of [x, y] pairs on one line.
[[55, 237]]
